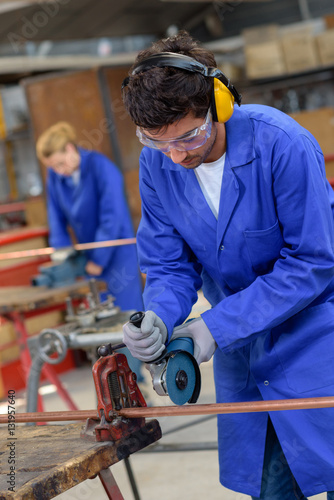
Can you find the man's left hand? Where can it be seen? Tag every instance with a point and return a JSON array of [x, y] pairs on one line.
[[93, 269], [204, 343]]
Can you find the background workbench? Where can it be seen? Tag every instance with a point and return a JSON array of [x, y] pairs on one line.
[[28, 310], [27, 298]]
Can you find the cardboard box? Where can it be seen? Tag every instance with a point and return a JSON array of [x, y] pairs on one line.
[[264, 60], [329, 20], [320, 123], [325, 43], [300, 51]]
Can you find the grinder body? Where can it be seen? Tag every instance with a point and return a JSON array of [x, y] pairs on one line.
[[175, 373]]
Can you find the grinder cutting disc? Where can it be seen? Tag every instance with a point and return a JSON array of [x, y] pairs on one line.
[[183, 379]]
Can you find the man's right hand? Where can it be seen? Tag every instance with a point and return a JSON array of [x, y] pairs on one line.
[[146, 343]]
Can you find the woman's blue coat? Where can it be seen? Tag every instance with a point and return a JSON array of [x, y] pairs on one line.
[[96, 210], [267, 268]]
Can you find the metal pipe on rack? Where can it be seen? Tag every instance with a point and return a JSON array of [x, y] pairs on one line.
[[78, 247]]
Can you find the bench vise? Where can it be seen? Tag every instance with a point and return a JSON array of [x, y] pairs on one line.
[[116, 388]]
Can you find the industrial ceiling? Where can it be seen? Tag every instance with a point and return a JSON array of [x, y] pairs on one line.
[[64, 31], [81, 19], [37, 20]]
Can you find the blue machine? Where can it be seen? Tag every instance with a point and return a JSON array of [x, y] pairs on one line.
[[56, 274]]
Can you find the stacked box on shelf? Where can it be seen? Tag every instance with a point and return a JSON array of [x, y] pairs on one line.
[[263, 52], [264, 60], [325, 43], [300, 50]]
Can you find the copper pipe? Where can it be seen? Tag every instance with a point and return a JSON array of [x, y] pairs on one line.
[[220, 408], [173, 411], [50, 416], [80, 246]]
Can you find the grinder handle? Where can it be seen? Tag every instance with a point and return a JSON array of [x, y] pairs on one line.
[[136, 319], [105, 350]]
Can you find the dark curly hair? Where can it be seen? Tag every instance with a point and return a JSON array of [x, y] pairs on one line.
[[159, 97]]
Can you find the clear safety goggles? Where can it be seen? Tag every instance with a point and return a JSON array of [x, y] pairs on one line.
[[191, 140]]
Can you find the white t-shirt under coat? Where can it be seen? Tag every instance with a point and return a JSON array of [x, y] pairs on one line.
[[210, 176]]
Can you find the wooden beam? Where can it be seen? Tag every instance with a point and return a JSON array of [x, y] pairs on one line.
[[26, 64]]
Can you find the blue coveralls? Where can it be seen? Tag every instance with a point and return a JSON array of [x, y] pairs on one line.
[[267, 268], [96, 210]]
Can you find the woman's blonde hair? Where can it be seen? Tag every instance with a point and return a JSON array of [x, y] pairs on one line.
[[55, 139]]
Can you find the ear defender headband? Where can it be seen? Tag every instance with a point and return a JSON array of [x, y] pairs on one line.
[[224, 94]]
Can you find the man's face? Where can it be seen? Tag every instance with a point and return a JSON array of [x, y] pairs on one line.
[[208, 152], [63, 162]]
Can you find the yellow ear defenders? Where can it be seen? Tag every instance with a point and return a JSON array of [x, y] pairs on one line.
[[224, 94]]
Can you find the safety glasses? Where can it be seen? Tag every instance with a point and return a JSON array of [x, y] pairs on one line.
[[191, 140]]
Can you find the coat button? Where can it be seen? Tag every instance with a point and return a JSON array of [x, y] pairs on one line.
[[266, 382], [222, 247]]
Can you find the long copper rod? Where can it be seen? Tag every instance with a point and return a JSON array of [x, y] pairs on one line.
[[49, 416], [220, 408], [79, 246], [173, 411]]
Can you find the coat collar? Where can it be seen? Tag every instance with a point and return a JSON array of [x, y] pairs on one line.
[[240, 138], [84, 160], [240, 151]]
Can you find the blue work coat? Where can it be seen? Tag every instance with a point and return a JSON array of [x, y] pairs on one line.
[[96, 210], [267, 267]]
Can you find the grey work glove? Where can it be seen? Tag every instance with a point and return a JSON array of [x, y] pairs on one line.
[[204, 343], [146, 343]]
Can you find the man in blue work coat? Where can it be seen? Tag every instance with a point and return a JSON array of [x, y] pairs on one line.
[[235, 200], [85, 192]]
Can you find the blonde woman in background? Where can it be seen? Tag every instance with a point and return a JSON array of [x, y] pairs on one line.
[[85, 192]]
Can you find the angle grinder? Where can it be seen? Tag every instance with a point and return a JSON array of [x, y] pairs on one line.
[[175, 373]]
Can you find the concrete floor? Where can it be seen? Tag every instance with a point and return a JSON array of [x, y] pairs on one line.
[[159, 475]]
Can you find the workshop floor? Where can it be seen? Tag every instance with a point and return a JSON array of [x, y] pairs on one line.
[[159, 475]]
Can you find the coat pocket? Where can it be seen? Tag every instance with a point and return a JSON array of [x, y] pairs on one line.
[[305, 347], [264, 247]]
